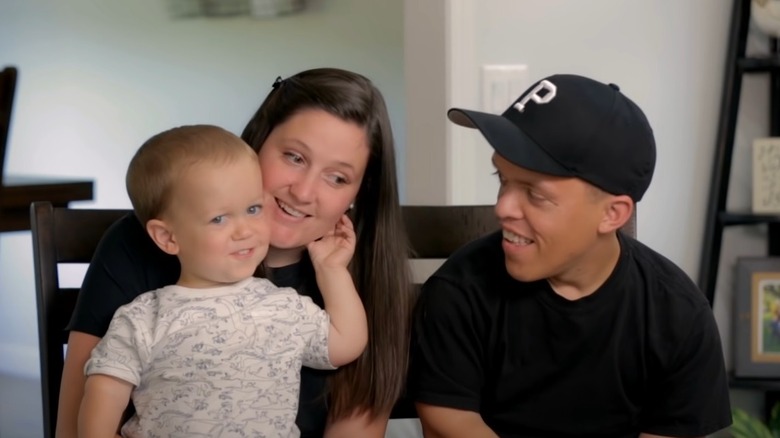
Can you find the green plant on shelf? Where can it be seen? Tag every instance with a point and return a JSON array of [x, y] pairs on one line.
[[747, 426]]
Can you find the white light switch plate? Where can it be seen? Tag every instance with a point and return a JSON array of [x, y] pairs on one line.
[[502, 84]]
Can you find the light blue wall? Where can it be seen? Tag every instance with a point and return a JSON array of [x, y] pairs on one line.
[[98, 77]]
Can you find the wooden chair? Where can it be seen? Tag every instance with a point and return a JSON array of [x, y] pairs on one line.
[[62, 235], [59, 236], [7, 93], [18, 191], [435, 232]]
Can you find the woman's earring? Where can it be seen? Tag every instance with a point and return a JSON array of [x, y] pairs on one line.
[[351, 205]]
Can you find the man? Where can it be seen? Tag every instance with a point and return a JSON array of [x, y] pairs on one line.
[[559, 325]]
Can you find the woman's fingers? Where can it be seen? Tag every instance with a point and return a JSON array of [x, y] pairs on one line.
[[346, 221]]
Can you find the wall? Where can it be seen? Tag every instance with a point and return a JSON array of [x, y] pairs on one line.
[[669, 57], [97, 78]]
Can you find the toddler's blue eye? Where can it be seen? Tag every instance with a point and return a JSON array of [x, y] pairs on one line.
[[218, 220], [255, 209]]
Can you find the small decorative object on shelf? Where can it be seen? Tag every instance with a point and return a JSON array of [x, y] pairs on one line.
[[766, 175], [226, 8], [757, 318], [184, 8], [272, 8], [766, 15]]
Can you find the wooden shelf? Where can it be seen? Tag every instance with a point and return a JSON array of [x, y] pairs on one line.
[[759, 65], [738, 64], [734, 218], [754, 383]]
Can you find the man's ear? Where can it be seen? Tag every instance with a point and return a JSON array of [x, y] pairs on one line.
[[162, 235], [617, 213]]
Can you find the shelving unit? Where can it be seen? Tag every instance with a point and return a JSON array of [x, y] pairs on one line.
[[718, 218], [737, 65]]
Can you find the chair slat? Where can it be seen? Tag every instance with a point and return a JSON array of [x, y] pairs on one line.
[[63, 235], [74, 246], [435, 232]]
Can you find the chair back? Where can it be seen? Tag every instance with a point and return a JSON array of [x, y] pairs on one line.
[[7, 92], [59, 236], [435, 232], [70, 236]]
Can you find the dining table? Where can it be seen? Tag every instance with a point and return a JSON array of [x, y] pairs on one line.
[[17, 192]]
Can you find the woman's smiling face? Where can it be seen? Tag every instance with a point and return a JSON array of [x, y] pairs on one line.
[[313, 165]]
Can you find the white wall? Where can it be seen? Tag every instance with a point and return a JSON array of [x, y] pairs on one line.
[[96, 78], [669, 57]]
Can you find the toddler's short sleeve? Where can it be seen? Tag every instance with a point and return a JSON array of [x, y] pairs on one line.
[[314, 327], [121, 353]]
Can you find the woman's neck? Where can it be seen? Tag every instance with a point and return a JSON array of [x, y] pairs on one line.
[[278, 257]]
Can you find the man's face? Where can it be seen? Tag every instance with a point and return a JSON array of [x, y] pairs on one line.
[[549, 222]]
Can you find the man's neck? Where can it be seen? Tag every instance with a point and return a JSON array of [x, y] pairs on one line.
[[589, 271]]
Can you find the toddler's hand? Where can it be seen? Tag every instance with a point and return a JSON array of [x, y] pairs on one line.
[[335, 249]]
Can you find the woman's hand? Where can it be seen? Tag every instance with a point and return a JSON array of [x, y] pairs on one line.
[[335, 249]]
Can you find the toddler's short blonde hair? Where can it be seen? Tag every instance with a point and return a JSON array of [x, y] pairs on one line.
[[162, 159]]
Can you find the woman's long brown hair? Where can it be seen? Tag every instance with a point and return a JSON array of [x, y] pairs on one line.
[[380, 269]]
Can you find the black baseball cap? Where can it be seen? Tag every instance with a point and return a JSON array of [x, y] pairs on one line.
[[569, 125]]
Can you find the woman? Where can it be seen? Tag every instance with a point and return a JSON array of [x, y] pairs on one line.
[[325, 147]]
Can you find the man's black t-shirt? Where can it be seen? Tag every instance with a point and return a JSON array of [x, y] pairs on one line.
[[127, 263], [641, 354]]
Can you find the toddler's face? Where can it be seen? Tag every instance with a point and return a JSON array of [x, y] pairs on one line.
[[217, 218]]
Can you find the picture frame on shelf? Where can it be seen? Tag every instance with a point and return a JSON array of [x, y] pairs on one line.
[[757, 318]]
